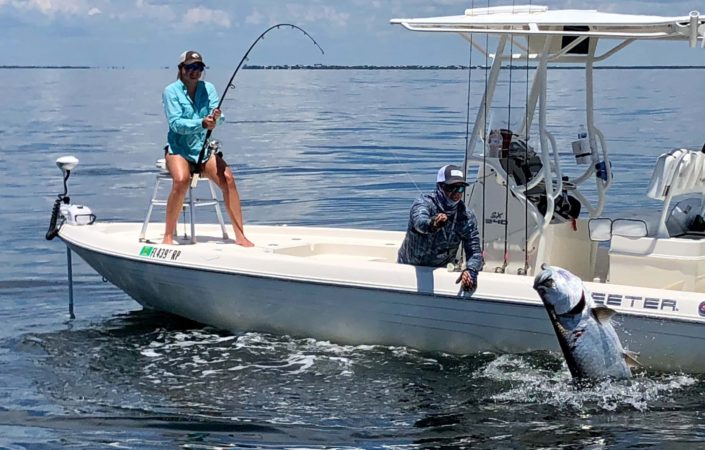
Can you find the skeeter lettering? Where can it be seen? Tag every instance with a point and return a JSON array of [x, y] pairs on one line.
[[631, 301]]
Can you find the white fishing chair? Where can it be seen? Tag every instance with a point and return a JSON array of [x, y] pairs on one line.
[[190, 204]]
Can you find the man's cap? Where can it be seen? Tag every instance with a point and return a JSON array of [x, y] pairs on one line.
[[190, 57], [451, 174]]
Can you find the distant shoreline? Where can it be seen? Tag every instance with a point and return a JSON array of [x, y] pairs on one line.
[[365, 67], [46, 67]]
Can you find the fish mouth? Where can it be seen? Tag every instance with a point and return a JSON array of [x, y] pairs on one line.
[[545, 282], [545, 279]]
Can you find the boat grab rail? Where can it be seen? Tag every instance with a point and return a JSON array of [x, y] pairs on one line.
[[556, 164], [544, 134], [517, 189], [596, 136], [603, 184], [677, 172]]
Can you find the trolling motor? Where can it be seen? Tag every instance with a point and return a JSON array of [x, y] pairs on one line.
[[66, 164], [63, 211]]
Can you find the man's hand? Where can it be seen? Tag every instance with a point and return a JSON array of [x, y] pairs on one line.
[[438, 221], [216, 114], [466, 280]]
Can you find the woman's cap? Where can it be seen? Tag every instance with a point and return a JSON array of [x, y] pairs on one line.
[[451, 174], [190, 57]]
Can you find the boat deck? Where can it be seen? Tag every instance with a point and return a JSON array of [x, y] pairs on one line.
[[312, 243]]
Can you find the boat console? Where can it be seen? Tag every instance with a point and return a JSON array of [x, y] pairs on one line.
[[529, 211]]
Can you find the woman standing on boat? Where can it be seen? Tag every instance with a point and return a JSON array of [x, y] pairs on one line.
[[190, 105]]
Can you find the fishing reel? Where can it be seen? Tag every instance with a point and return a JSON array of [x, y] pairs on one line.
[[214, 147]]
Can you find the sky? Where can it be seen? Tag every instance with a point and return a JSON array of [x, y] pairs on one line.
[[153, 33]]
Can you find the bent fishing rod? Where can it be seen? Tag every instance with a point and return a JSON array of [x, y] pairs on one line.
[[197, 169]]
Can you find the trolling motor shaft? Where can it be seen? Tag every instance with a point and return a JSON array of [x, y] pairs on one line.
[[63, 210]]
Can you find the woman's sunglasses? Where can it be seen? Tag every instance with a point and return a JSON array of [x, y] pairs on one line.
[[195, 67], [454, 188]]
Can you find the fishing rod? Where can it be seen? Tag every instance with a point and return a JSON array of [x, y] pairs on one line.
[[197, 170]]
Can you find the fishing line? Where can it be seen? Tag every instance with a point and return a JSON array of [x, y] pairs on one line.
[[197, 169], [510, 162], [406, 172], [467, 109], [460, 254], [486, 146], [526, 157]]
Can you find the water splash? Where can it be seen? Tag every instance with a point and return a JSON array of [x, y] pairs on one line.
[[529, 381]]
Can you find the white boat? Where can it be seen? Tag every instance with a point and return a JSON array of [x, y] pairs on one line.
[[344, 285]]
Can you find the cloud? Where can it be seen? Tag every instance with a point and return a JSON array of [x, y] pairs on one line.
[[300, 13], [52, 7], [356, 30], [146, 11], [255, 18], [318, 13], [206, 16]]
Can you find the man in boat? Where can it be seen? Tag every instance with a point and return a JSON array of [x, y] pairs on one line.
[[438, 223], [190, 106]]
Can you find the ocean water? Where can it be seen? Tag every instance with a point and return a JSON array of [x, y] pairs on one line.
[[335, 148]]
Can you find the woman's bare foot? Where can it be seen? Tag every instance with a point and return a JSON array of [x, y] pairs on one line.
[[168, 241], [243, 241]]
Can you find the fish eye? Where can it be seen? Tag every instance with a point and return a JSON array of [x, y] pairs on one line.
[[549, 283]]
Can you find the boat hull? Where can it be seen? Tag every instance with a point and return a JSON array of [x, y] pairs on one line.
[[344, 314], [402, 305]]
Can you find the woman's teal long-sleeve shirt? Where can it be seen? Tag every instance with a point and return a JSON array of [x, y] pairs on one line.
[[186, 133]]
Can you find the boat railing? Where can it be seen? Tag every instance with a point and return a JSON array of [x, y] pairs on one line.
[[495, 165], [677, 172], [598, 147], [603, 183]]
